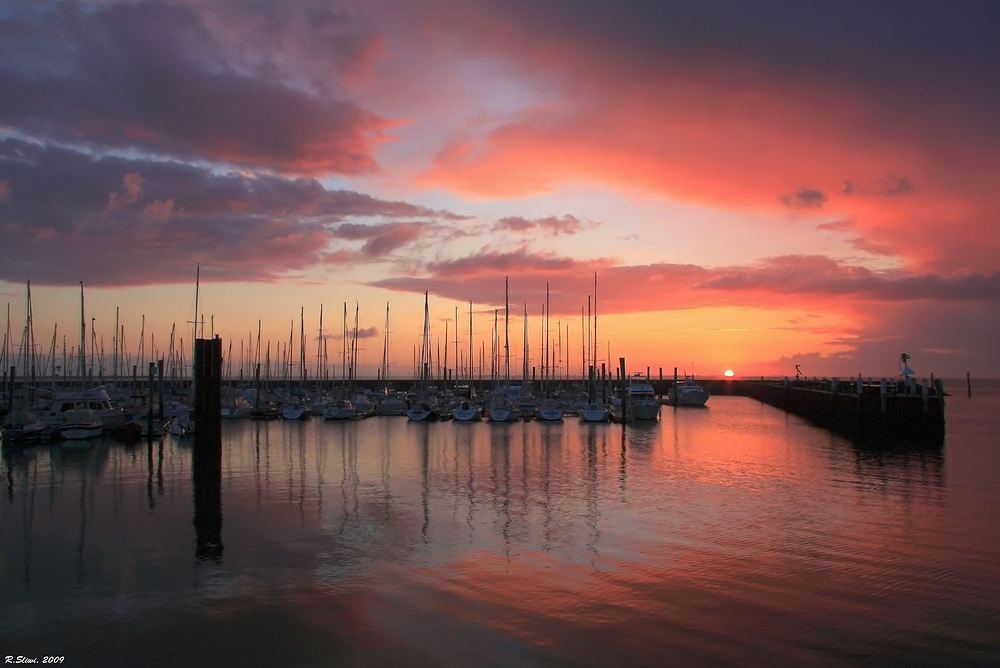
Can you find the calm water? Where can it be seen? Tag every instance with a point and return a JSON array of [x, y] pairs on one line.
[[735, 535]]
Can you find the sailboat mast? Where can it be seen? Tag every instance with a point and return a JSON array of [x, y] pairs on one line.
[[524, 361], [506, 331], [83, 338], [471, 365], [425, 351], [116, 351], [197, 285], [354, 348], [343, 352], [320, 344], [385, 350], [29, 339], [55, 336], [595, 318], [547, 366]]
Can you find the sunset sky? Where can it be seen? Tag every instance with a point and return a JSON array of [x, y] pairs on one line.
[[755, 184]]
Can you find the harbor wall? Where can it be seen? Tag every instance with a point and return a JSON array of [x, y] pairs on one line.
[[886, 412]]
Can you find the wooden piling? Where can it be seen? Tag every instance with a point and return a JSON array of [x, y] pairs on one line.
[[968, 382], [10, 395], [623, 389], [674, 400], [206, 455], [149, 403]]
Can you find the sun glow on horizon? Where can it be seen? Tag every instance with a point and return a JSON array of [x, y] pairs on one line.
[[729, 373]]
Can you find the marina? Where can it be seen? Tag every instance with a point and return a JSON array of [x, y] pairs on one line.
[[499, 334]]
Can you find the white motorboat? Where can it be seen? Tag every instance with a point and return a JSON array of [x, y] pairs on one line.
[[642, 403], [95, 399], [80, 424], [688, 393]]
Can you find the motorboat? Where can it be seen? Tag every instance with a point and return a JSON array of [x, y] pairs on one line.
[[80, 424], [96, 399], [642, 403], [688, 393]]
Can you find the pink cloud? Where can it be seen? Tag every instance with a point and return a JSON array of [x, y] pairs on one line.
[[552, 225], [781, 282]]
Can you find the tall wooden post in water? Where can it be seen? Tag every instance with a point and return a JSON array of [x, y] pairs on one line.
[[206, 455], [623, 389]]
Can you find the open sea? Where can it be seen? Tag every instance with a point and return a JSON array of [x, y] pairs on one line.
[[735, 535]]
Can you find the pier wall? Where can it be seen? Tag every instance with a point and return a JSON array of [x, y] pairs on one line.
[[901, 414]]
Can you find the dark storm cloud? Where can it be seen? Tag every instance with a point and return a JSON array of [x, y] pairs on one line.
[[381, 240], [889, 185], [154, 77], [805, 198], [69, 216], [926, 47]]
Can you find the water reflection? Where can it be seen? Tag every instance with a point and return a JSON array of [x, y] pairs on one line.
[[725, 523], [206, 469]]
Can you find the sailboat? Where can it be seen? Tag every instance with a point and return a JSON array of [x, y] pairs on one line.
[[501, 407], [466, 410], [424, 408]]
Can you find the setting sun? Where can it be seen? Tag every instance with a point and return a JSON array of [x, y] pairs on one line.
[[729, 373]]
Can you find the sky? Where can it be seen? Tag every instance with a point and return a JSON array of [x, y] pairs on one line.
[[753, 186]]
